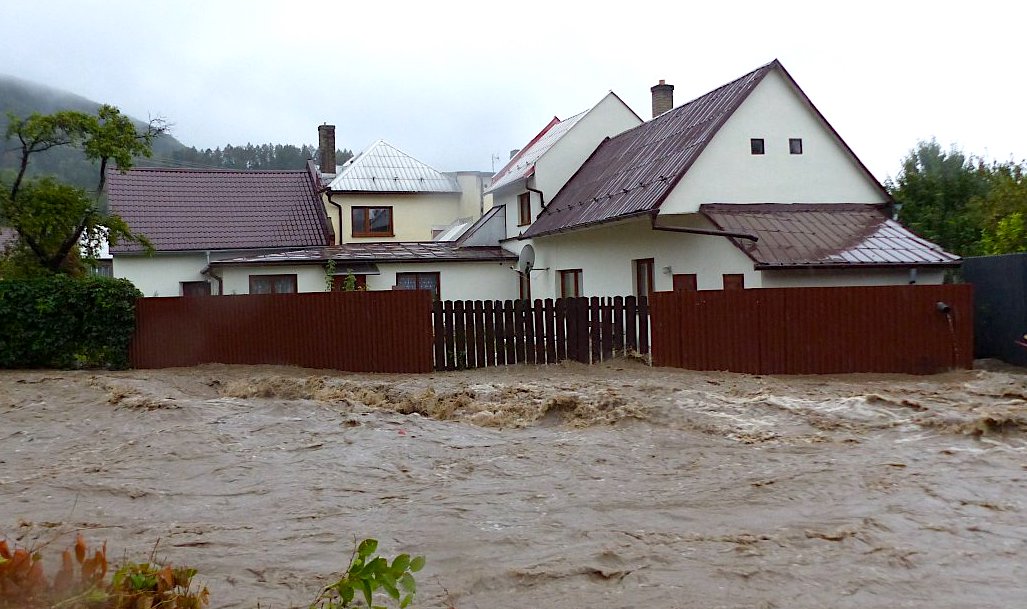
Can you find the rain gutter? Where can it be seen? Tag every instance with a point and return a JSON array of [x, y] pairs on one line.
[[701, 231]]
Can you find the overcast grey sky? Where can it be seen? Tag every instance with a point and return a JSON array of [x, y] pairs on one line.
[[454, 83]]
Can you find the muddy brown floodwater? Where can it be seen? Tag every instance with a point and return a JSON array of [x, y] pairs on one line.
[[561, 487]]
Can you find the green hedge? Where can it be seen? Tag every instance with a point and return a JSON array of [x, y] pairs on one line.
[[60, 322]]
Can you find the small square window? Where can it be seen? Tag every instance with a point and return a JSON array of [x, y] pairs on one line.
[[795, 145], [756, 145]]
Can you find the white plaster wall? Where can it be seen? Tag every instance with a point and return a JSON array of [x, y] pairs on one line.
[[458, 280], [552, 170], [607, 118], [161, 274], [727, 172], [413, 215], [848, 277], [309, 278], [605, 254]]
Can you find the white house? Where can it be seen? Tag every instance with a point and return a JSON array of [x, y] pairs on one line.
[[193, 217], [745, 186]]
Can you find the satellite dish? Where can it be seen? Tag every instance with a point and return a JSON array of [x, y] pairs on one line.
[[526, 260]]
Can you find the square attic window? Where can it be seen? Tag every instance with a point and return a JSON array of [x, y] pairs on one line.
[[756, 145], [795, 145]]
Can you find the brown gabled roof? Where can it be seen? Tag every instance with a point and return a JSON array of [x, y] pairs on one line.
[[632, 173], [830, 235], [209, 209], [383, 251]]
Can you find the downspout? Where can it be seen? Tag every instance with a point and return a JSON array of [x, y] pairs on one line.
[[338, 237], [210, 273], [541, 197], [701, 231]]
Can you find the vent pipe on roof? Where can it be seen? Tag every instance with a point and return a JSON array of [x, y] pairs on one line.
[[326, 147], [514, 152], [663, 98]]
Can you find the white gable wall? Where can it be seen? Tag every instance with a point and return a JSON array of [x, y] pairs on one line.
[[727, 172], [552, 170]]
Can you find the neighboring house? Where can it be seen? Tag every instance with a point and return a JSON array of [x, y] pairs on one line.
[[194, 217], [384, 194], [471, 267], [745, 186]]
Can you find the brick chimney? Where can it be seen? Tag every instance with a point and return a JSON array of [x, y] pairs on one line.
[[663, 98], [326, 147]]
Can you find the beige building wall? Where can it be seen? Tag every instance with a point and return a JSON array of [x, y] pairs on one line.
[[727, 171], [413, 215]]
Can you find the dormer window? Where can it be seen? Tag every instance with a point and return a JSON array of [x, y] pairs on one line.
[[524, 209], [756, 145], [795, 145]]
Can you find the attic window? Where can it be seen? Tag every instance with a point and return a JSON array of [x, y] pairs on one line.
[[795, 145], [756, 145]]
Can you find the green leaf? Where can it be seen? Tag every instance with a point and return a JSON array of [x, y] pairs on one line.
[[347, 594], [406, 601], [400, 564], [417, 564], [407, 583], [391, 590], [367, 548], [367, 590]]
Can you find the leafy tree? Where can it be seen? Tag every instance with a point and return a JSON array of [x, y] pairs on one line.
[[1000, 212], [53, 220], [933, 192]]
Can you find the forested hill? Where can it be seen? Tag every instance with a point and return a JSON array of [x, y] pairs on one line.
[[22, 98]]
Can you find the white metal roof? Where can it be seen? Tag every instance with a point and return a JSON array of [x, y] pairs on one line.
[[523, 164], [385, 168]]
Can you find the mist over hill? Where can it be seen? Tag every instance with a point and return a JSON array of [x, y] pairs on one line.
[[22, 98]]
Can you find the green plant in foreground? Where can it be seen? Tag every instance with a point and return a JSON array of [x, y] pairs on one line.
[[367, 574]]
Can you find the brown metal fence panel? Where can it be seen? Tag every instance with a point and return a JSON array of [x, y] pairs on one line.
[[816, 330], [353, 331]]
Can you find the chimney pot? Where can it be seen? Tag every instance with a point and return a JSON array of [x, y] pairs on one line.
[[326, 147], [663, 98], [514, 152]]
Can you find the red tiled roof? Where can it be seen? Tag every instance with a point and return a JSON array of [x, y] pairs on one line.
[[633, 172], [387, 251], [824, 235], [193, 209]]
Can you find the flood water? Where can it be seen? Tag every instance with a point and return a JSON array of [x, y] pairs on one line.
[[562, 487]]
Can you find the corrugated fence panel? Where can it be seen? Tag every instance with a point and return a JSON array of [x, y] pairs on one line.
[[815, 330], [1000, 305], [354, 331]]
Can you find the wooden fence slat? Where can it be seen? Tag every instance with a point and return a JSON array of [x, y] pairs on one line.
[[500, 333], [631, 324], [618, 324], [518, 327], [643, 325], [479, 334], [540, 333], [581, 324], [550, 321], [529, 332], [560, 314], [606, 310], [595, 328], [448, 314], [490, 333], [510, 330]]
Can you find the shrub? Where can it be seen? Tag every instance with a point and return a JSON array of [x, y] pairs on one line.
[[367, 574], [60, 322]]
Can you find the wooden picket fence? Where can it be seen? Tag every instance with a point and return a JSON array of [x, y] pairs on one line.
[[476, 334]]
